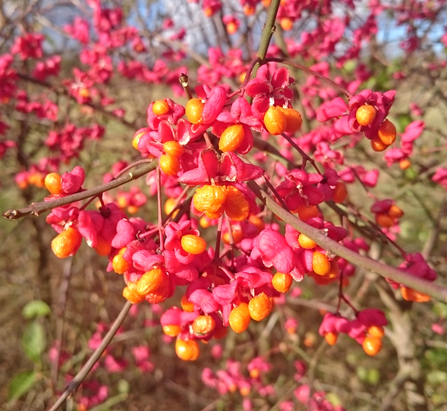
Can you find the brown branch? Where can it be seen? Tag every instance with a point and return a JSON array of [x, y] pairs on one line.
[[39, 208]]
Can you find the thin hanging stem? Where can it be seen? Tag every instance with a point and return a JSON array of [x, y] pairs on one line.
[[80, 376]]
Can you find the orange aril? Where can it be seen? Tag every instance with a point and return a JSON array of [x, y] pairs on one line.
[[150, 281], [286, 23], [172, 330], [193, 244], [340, 192], [130, 294], [260, 307], [173, 148], [305, 242], [376, 331], [258, 222], [293, 119], [236, 205], [64, 244], [306, 212], [231, 27], [187, 305], [119, 264], [404, 164], [160, 107], [384, 220], [409, 294], [239, 318], [387, 132], [282, 282], [378, 145], [275, 121], [169, 165], [102, 247], [249, 10], [331, 338], [187, 350], [203, 324], [372, 345], [53, 183], [238, 236], [170, 205], [194, 110], [365, 115], [395, 212], [232, 138], [136, 139], [210, 200], [320, 263], [161, 292]]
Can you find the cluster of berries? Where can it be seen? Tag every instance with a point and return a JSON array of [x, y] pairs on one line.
[[229, 288]]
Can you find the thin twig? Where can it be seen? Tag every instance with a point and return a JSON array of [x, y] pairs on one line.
[[80, 376]]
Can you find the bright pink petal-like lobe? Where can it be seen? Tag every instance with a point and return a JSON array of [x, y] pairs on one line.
[[372, 316], [214, 105], [332, 109], [204, 300], [86, 228], [72, 181], [207, 168], [225, 294], [125, 233], [274, 250]]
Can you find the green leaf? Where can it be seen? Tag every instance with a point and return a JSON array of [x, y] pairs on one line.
[[34, 341], [35, 309], [20, 384], [373, 376]]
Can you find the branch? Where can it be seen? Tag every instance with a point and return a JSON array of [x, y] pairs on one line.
[[395, 274], [38, 208]]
